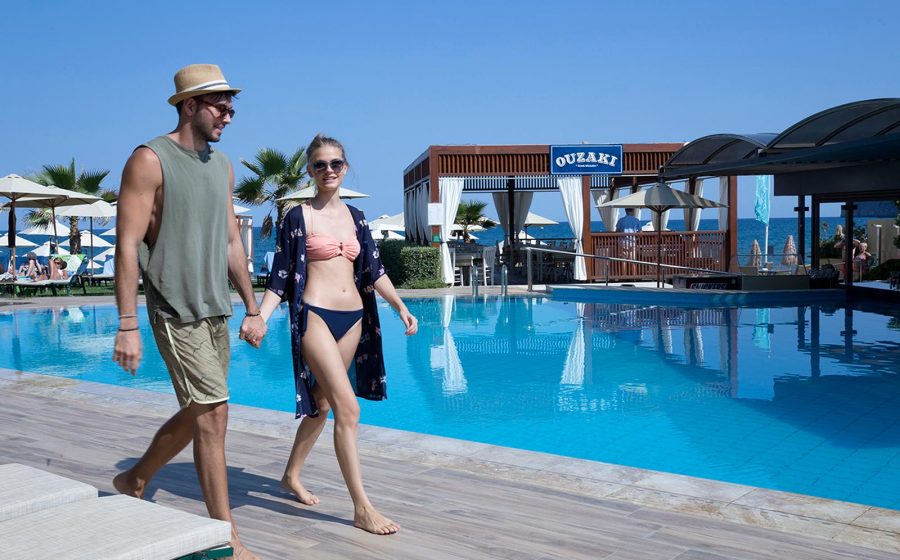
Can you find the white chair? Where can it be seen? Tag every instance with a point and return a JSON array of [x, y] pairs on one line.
[[457, 270], [489, 256]]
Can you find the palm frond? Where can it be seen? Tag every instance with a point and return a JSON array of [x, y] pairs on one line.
[[266, 230], [109, 195], [60, 175], [89, 181], [251, 190], [272, 162], [252, 166], [39, 217]]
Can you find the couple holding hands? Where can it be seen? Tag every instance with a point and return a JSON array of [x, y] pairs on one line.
[[177, 220]]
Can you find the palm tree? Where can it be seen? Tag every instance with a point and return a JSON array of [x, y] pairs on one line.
[[276, 176], [65, 177], [471, 213]]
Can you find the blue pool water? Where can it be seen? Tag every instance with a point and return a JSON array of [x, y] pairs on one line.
[[801, 399]]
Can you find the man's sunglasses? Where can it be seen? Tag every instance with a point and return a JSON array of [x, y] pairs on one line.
[[222, 108], [337, 165]]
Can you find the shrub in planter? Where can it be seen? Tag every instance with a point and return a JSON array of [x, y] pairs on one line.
[[420, 264]]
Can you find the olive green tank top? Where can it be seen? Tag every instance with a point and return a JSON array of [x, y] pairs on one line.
[[186, 271]]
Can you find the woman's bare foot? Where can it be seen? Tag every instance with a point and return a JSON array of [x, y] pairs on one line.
[[241, 552], [125, 483], [370, 520], [298, 490]]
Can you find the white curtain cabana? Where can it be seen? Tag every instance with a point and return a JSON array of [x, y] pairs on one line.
[[723, 199], [422, 212], [522, 204], [570, 189], [450, 193], [692, 215], [609, 215]]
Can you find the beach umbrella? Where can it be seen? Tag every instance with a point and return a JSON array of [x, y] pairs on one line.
[[391, 235], [57, 198], [111, 232], [755, 255], [44, 250], [310, 192], [109, 253], [789, 253], [16, 188], [19, 242], [238, 210], [660, 198], [87, 238], [533, 219], [100, 209], [44, 230]]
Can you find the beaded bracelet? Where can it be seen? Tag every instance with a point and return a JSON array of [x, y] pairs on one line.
[[248, 314]]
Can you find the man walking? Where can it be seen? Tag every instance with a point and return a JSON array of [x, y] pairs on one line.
[[175, 214]]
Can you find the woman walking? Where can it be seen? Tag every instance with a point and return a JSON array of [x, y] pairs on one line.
[[327, 268]]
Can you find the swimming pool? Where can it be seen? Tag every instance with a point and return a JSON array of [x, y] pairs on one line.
[[801, 399]]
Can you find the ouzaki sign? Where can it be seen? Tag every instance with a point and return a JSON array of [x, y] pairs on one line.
[[583, 159]]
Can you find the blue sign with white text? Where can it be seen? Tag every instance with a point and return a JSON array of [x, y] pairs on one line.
[[584, 159]]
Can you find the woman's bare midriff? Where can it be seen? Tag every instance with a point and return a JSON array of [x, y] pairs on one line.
[[330, 284]]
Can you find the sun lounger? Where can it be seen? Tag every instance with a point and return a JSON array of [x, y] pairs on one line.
[[24, 490], [50, 516]]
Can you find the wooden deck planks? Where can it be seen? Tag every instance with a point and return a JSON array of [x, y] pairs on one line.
[[445, 513]]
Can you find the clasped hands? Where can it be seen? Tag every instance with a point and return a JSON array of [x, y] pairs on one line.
[[253, 330]]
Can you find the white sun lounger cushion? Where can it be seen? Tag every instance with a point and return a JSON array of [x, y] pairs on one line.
[[24, 490], [112, 528]]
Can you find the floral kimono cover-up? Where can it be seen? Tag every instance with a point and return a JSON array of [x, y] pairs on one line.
[[288, 280]]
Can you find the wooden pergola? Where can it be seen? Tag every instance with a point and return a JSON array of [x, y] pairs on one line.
[[518, 168]]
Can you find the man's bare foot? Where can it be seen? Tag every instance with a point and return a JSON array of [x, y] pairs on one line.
[[241, 552], [125, 483], [298, 490], [370, 520]]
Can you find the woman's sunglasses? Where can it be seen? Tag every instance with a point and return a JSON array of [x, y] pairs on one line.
[[337, 165]]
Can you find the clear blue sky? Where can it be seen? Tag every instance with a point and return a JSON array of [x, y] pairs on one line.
[[90, 79]]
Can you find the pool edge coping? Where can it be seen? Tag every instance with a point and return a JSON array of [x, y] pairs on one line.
[[844, 522]]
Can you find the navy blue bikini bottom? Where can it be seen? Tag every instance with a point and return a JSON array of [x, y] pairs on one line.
[[339, 322]]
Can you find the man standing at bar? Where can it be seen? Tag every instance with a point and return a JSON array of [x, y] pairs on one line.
[[175, 215]]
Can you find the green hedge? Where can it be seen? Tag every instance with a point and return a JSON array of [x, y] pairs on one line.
[[411, 266]]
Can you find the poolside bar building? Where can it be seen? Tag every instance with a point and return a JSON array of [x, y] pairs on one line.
[[512, 174]]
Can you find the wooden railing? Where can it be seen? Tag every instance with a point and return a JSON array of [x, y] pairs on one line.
[[694, 249]]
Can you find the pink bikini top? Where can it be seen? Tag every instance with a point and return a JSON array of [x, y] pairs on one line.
[[324, 247]]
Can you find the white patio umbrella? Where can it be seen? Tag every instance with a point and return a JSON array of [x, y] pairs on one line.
[[310, 192], [658, 199], [238, 210], [57, 198], [20, 241], [533, 219], [45, 229], [87, 238], [100, 209], [16, 188], [44, 250], [391, 235], [109, 253]]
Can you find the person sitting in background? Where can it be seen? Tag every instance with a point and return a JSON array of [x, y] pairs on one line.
[[58, 268], [628, 224], [862, 258], [32, 268]]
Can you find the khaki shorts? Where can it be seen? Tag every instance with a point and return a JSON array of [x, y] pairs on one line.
[[197, 355]]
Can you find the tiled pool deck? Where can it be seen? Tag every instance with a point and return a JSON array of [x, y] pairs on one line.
[[454, 498]]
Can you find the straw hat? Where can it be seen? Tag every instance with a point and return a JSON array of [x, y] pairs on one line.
[[198, 79]]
